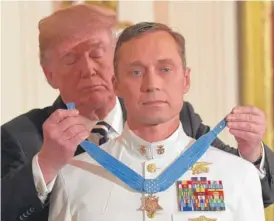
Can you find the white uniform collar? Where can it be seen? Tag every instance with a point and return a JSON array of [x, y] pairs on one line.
[[144, 149]]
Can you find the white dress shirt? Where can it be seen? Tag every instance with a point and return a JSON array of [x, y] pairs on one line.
[[114, 119], [85, 191], [261, 170]]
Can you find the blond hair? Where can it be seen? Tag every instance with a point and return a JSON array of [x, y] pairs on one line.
[[74, 23]]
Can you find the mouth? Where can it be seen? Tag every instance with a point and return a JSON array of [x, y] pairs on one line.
[[96, 86], [93, 87], [154, 103]]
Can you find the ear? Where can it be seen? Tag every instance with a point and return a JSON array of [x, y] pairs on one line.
[[50, 77], [186, 85], [116, 86]]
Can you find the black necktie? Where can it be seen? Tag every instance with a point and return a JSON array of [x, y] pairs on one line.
[[102, 129]]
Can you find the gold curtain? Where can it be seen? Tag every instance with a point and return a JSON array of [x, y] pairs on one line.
[[256, 73]]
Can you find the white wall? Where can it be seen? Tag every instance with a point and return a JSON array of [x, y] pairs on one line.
[[209, 28], [23, 84], [136, 11]]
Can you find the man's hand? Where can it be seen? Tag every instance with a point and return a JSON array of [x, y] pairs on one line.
[[63, 131], [248, 125]]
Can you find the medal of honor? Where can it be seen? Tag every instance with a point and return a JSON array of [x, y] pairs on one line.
[[151, 205]]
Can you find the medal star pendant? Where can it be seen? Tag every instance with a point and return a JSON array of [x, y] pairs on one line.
[[151, 205]]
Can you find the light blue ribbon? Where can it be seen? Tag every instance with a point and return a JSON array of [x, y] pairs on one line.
[[164, 180]]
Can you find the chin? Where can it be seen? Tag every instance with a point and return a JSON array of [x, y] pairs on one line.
[[96, 106], [95, 99], [154, 120]]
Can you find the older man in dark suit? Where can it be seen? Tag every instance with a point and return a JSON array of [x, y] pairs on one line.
[[76, 48]]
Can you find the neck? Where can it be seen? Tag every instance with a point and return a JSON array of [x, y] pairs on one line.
[[154, 133], [104, 110], [91, 119]]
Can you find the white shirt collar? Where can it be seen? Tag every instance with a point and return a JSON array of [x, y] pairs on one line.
[[144, 149], [115, 118]]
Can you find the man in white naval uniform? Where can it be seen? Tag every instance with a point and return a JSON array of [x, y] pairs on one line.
[[152, 77]]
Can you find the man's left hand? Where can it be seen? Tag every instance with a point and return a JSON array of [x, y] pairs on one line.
[[248, 125]]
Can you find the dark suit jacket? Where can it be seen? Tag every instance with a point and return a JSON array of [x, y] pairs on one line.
[[22, 139]]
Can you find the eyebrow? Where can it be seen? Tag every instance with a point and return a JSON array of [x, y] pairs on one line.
[[95, 45], [159, 61], [165, 60], [66, 55], [90, 45], [136, 63]]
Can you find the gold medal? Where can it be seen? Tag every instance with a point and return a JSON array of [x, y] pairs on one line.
[[151, 205]]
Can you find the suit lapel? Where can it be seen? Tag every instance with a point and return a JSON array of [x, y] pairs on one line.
[[59, 104]]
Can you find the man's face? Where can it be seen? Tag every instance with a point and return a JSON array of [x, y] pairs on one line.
[[151, 78], [82, 72]]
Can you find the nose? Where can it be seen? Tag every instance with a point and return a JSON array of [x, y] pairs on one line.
[[88, 66], [151, 81]]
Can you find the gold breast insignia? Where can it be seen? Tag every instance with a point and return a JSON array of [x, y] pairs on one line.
[[151, 205], [202, 218], [200, 167]]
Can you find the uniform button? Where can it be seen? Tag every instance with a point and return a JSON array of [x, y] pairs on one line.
[[151, 168], [21, 217], [32, 209]]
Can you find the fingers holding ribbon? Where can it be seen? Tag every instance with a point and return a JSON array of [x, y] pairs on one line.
[[248, 125]]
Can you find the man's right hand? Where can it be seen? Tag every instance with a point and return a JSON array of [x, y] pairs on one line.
[[63, 131]]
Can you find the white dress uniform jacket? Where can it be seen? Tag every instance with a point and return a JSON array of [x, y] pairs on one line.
[[85, 191]]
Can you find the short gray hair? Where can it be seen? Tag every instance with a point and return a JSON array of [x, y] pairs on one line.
[[146, 27]]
